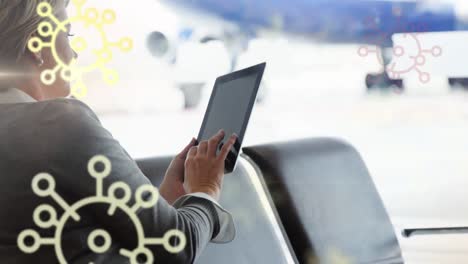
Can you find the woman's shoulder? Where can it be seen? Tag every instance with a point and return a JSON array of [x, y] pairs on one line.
[[69, 115], [67, 110], [67, 106], [49, 127]]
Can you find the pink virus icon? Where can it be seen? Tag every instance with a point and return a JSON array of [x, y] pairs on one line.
[[406, 59]]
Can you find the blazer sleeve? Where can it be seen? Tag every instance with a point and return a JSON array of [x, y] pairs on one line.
[[83, 138]]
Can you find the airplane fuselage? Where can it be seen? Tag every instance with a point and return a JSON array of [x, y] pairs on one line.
[[341, 21]]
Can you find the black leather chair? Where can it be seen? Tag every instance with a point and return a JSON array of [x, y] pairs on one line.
[[260, 238], [327, 202]]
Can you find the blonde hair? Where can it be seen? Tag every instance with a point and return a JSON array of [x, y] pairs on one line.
[[18, 21]]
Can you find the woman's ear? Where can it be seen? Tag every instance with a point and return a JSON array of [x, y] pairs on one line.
[[36, 56]]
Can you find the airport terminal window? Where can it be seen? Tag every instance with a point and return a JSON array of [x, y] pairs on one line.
[[409, 122]]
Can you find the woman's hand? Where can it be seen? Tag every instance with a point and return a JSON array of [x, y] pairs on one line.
[[204, 169], [172, 186]]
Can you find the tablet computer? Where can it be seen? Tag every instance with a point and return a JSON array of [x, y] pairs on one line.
[[229, 108]]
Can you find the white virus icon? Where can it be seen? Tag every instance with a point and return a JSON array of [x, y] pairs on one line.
[[69, 71], [114, 202], [404, 61]]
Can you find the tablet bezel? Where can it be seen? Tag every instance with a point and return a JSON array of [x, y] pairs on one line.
[[258, 69]]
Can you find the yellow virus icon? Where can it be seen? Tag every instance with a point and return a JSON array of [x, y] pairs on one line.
[[68, 70], [43, 185]]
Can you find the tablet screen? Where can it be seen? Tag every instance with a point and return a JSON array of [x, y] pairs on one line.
[[229, 107]]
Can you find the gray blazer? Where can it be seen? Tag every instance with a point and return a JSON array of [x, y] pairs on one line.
[[60, 137]]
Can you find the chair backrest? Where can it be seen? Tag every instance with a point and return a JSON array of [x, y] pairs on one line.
[[327, 202], [260, 237]]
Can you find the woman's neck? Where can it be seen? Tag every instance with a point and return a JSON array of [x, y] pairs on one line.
[[31, 88]]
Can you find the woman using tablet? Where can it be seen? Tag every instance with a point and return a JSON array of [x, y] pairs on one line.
[[42, 131]]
